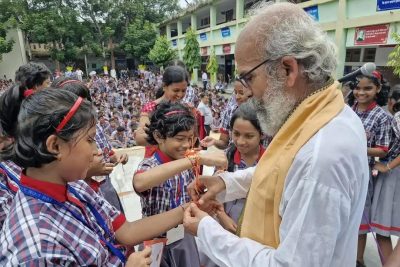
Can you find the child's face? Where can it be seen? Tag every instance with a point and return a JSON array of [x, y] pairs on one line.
[[365, 91], [245, 136], [241, 95], [76, 156], [175, 91], [176, 146]]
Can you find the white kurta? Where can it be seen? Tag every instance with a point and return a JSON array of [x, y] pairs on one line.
[[321, 206]]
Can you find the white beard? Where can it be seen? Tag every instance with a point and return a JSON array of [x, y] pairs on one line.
[[273, 108]]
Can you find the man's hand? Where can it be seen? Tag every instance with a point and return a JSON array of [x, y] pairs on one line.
[[140, 259], [192, 218], [213, 184]]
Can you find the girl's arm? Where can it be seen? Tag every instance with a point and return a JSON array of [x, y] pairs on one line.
[[221, 143], [394, 259], [389, 166], [159, 174], [376, 152], [155, 176], [133, 233]]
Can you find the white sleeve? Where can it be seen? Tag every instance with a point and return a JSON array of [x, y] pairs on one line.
[[307, 237], [237, 184]]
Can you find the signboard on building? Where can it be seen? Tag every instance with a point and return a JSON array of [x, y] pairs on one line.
[[313, 12], [226, 32], [372, 35], [382, 5], [203, 36], [226, 48], [204, 51], [174, 42]]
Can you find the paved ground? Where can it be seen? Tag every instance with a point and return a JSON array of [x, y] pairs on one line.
[[122, 181]]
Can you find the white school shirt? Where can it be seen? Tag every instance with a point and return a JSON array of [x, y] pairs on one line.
[[206, 112], [321, 206]]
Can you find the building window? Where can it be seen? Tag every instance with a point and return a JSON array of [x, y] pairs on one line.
[[34, 47], [174, 32], [369, 55], [205, 21], [229, 15], [353, 55], [94, 66]]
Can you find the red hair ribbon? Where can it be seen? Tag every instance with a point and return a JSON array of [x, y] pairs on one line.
[[174, 112], [28, 92], [67, 82], [377, 75], [69, 115]]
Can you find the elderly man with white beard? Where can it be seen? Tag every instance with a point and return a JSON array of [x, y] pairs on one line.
[[306, 196]]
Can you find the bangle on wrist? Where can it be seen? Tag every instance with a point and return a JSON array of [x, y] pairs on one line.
[[387, 166]]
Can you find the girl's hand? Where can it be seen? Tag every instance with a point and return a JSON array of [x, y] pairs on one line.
[[123, 159], [381, 167], [208, 141], [217, 159], [140, 259]]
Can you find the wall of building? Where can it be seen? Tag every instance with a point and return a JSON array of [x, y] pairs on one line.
[[17, 57]]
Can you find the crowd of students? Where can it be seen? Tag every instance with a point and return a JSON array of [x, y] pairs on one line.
[[57, 151]]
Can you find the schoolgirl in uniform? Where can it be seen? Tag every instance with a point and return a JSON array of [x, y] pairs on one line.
[[369, 96], [55, 218], [98, 175], [245, 151], [161, 180], [385, 216], [30, 77]]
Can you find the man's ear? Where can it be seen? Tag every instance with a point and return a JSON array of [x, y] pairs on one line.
[[292, 69]]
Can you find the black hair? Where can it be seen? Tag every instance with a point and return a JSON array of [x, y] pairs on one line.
[[177, 62], [395, 95], [73, 85], [38, 117], [169, 125], [383, 95], [202, 95], [175, 74], [31, 75], [120, 129], [247, 113], [159, 93]]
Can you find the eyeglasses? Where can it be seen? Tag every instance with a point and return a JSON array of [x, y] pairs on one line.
[[243, 77]]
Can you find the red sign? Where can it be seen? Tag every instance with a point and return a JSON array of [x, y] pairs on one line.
[[372, 35], [204, 51], [226, 48]]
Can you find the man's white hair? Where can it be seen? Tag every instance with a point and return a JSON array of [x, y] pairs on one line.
[[298, 36]]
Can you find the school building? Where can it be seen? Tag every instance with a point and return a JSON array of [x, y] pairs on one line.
[[361, 30]]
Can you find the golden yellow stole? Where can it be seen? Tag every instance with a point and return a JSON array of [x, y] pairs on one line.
[[261, 218]]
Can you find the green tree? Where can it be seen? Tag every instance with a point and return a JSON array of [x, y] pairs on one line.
[[191, 51], [5, 45], [139, 39], [394, 56], [162, 52], [212, 66]]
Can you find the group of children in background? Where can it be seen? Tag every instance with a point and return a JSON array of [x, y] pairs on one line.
[[56, 154]]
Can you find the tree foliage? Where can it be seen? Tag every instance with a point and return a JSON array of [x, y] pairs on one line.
[[162, 52], [191, 51], [5, 45], [139, 39], [73, 27], [212, 66], [394, 56]]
